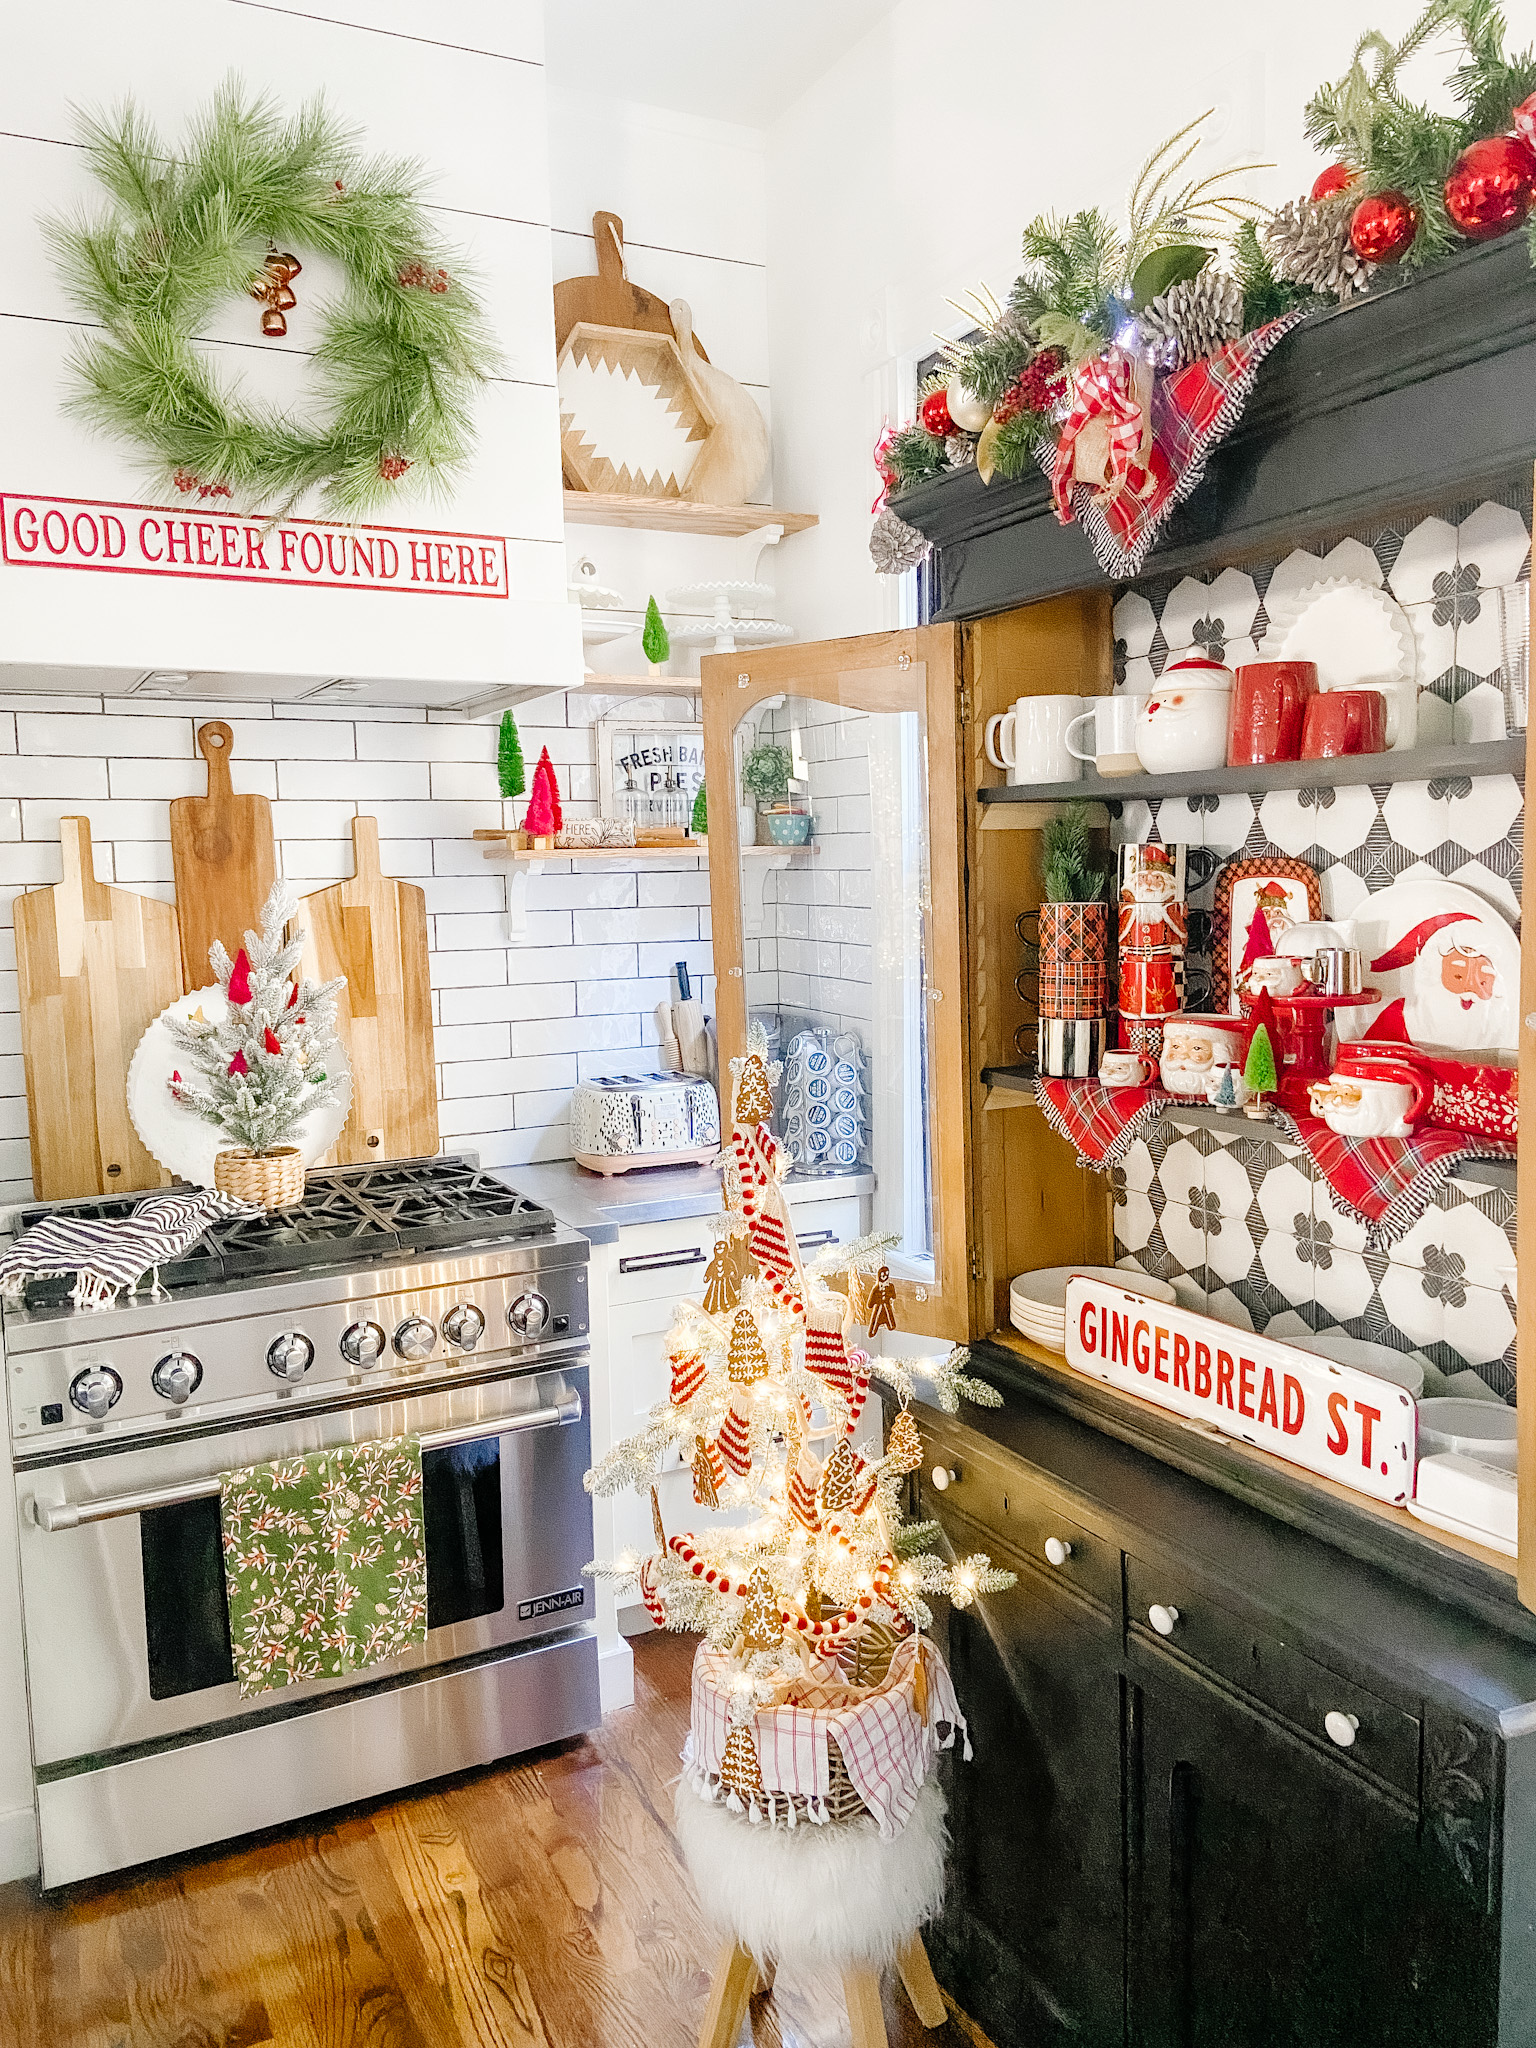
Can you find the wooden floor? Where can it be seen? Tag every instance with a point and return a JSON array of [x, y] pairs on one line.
[[540, 1904]]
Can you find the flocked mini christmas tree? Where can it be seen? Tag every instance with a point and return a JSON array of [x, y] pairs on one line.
[[1259, 1069], [510, 772], [654, 643], [767, 1390], [264, 1068]]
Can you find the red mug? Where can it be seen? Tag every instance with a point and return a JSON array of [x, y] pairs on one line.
[[1344, 722], [1269, 703]]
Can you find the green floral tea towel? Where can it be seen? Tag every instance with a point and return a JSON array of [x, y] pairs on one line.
[[325, 1562]]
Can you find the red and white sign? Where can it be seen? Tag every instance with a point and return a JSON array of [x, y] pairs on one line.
[[1347, 1425], [231, 547]]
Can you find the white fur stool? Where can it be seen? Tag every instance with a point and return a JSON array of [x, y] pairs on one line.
[[839, 1894]]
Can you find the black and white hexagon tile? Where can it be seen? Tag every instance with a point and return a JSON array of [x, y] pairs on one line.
[[1243, 1228]]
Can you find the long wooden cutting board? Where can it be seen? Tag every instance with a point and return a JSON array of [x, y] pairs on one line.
[[374, 931], [223, 858], [96, 966]]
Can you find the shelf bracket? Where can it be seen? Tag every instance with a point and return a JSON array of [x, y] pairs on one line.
[[754, 875], [517, 898]]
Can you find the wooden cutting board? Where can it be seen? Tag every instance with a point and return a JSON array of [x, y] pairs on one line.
[[95, 966], [374, 931], [223, 858]]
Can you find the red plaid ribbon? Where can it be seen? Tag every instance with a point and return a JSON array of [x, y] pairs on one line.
[[1388, 1181], [1191, 412], [1099, 1121]]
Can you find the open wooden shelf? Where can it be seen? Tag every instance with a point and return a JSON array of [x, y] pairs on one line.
[[1409, 764], [1020, 1081], [502, 846], [677, 515]]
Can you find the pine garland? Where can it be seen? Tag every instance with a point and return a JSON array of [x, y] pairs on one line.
[[397, 360]]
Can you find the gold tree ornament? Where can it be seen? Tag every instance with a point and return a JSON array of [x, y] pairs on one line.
[[762, 1627], [722, 1282], [754, 1101], [904, 1447], [748, 1359], [882, 1303]]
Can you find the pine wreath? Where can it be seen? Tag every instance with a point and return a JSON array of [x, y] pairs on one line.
[[398, 357]]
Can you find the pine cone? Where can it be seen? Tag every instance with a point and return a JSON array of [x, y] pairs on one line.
[[893, 545], [960, 450], [1307, 243], [1193, 318]]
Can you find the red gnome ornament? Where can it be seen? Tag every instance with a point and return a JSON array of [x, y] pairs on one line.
[[240, 979]]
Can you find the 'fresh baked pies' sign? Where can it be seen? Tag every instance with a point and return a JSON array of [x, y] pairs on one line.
[[1346, 1425]]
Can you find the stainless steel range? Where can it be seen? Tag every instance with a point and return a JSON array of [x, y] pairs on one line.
[[420, 1297]]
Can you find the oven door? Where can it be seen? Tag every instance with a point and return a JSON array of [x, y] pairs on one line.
[[124, 1611]]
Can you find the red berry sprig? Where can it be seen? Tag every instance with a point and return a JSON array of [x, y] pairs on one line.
[[417, 276], [1036, 388], [393, 467]]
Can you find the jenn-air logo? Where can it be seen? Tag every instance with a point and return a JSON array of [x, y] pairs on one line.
[[550, 1603]]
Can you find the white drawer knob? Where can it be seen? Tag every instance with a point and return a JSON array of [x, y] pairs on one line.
[[1163, 1619], [1342, 1728], [944, 1477], [1056, 1552]]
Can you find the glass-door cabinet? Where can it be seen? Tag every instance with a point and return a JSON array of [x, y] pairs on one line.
[[835, 835]]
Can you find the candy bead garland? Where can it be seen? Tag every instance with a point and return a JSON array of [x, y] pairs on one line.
[[819, 1631]]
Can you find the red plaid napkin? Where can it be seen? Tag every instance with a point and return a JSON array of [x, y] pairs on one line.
[[1388, 1181], [1191, 412], [1099, 1121]]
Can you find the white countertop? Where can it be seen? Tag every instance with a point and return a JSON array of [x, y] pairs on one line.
[[600, 1205]]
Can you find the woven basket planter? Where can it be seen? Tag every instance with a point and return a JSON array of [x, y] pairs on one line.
[[272, 1180]]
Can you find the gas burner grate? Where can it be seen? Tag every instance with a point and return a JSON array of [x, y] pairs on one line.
[[349, 1214]]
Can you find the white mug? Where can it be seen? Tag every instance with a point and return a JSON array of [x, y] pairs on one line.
[[1030, 740], [1114, 734], [1363, 1106], [1124, 1070], [1192, 1051]]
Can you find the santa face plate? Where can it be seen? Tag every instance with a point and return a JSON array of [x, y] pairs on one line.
[[1447, 965]]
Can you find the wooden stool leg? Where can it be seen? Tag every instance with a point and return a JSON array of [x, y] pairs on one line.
[[921, 1985], [732, 1986], [866, 2015]]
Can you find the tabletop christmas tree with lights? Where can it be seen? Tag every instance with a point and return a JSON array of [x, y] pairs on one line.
[[814, 1601]]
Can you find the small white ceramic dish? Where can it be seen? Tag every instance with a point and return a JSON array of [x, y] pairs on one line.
[[1046, 1287], [1468, 1498], [1471, 1429], [1403, 1368]]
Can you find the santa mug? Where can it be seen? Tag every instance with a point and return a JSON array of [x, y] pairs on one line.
[[1277, 972], [1193, 1049], [1386, 1103], [1124, 1070], [1151, 984]]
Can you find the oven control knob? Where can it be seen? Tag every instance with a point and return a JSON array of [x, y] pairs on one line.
[[95, 1390], [177, 1377], [527, 1315], [290, 1356], [464, 1326], [362, 1343], [416, 1338]]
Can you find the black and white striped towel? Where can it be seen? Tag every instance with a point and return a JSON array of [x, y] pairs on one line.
[[107, 1257]]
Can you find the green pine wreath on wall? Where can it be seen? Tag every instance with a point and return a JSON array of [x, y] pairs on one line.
[[399, 355]]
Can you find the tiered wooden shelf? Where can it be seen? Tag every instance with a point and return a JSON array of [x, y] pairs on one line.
[[678, 515]]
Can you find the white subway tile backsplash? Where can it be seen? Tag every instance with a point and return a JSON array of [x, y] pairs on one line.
[[608, 927], [365, 782], [109, 818], [474, 741], [288, 739], [492, 1004], [454, 1042], [544, 1107], [74, 732], [468, 969], [596, 1037], [64, 775], [457, 932], [139, 776]]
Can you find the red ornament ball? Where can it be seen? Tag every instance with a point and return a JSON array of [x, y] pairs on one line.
[[1524, 119], [1382, 227], [934, 414], [1491, 186], [1334, 179]]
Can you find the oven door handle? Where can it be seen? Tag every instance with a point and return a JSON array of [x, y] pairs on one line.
[[54, 1515]]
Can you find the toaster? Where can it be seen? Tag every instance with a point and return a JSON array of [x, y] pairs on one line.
[[623, 1121]]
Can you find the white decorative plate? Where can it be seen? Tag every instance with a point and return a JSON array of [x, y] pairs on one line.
[[1356, 634], [1461, 990], [1045, 1289], [177, 1136], [758, 630], [596, 597]]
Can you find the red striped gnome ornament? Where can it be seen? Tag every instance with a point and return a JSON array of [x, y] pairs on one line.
[[800, 1573]]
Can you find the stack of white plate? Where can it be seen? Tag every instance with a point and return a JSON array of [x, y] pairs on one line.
[[1037, 1302]]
